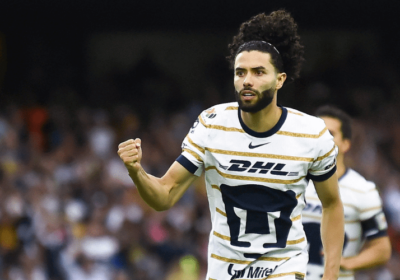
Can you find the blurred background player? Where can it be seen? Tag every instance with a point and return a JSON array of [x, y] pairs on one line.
[[366, 242]]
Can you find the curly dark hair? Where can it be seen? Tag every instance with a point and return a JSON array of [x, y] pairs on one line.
[[279, 29]]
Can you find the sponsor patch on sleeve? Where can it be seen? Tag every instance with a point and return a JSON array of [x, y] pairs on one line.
[[381, 221], [330, 165]]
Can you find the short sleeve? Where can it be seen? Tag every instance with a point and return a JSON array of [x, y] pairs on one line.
[[374, 227], [193, 148], [324, 164], [372, 218]]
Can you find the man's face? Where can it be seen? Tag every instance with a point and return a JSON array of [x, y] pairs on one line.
[[335, 128], [256, 80]]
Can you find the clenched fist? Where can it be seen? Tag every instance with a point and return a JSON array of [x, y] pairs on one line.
[[131, 153]]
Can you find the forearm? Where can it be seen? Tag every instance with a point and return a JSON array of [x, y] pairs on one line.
[[162, 193], [332, 234], [376, 252], [158, 193], [151, 189]]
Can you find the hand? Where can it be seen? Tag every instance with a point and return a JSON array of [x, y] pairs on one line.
[[345, 264], [130, 152]]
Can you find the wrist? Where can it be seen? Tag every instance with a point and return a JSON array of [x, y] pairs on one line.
[[331, 271], [134, 170], [330, 276], [346, 264]]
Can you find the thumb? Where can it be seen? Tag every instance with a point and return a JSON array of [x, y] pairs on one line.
[[138, 142]]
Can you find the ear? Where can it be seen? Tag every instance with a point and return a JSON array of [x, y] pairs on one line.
[[281, 78], [346, 144]]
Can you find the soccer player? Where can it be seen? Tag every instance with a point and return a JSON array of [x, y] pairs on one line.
[[258, 158], [364, 219]]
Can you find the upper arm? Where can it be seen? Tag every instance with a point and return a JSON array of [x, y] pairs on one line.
[[190, 164], [324, 163], [322, 170], [373, 221], [177, 180], [328, 190]]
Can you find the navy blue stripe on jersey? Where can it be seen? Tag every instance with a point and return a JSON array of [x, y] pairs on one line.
[[187, 164], [371, 229], [268, 133], [323, 177]]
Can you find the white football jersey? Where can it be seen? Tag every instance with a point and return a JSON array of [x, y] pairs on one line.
[[364, 219], [256, 188]]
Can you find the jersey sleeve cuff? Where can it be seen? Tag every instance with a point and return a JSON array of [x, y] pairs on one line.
[[323, 177], [187, 164], [381, 233]]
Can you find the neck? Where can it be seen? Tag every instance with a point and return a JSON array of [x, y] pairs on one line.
[[263, 120], [340, 166]]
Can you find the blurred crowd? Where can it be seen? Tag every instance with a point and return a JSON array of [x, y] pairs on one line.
[[69, 211]]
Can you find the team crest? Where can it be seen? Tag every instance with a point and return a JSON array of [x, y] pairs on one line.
[[211, 113]]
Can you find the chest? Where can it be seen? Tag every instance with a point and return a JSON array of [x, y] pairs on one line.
[[270, 156]]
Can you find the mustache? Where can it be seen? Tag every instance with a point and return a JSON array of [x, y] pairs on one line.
[[249, 89]]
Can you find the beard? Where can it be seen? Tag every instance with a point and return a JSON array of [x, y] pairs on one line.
[[264, 99]]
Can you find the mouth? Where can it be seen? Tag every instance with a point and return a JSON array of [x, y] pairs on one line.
[[247, 95]]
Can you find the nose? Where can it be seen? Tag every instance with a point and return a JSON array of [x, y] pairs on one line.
[[248, 82]]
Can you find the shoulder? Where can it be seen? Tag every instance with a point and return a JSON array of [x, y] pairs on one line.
[[222, 108], [300, 122], [303, 126], [354, 181], [218, 113], [363, 194]]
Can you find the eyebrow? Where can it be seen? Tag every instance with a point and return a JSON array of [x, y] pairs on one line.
[[255, 68]]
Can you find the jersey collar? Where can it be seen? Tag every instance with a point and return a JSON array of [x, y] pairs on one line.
[[267, 133]]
